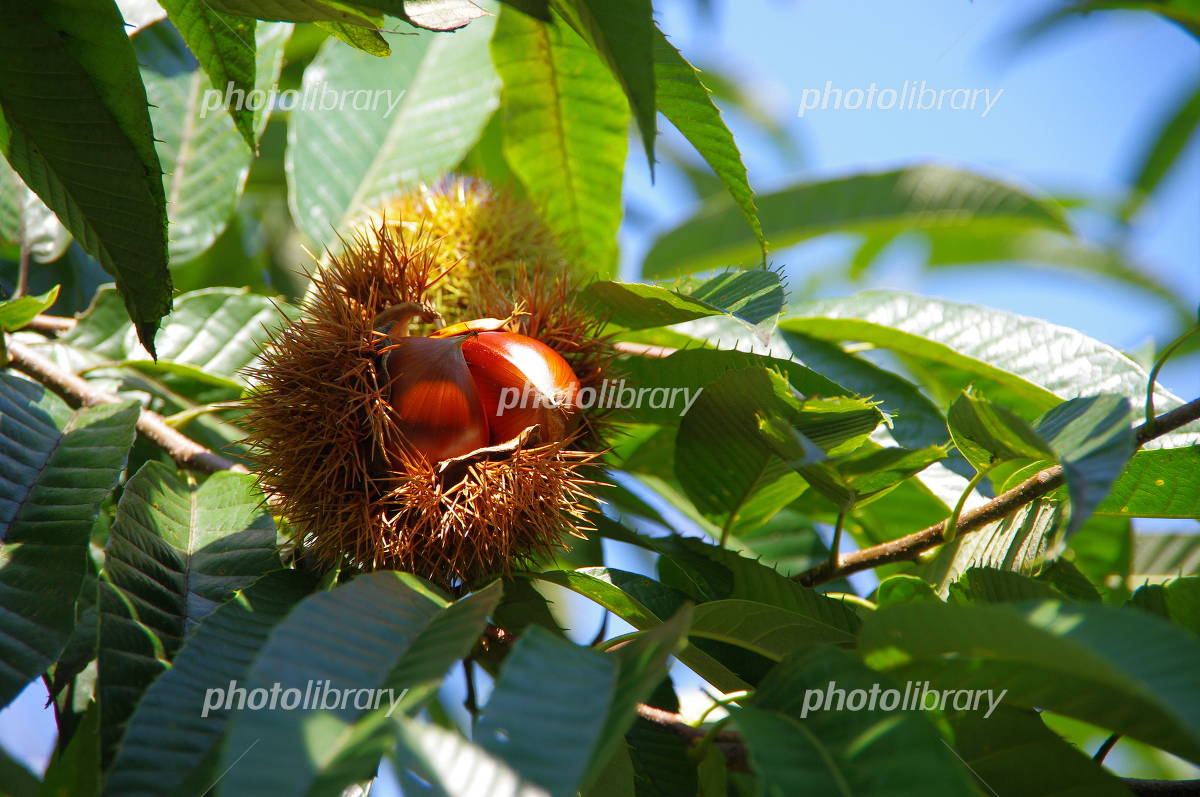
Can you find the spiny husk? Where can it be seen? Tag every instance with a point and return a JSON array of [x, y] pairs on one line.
[[483, 233], [320, 429]]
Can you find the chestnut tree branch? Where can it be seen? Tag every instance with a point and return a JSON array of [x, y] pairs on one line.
[[186, 452], [1003, 505]]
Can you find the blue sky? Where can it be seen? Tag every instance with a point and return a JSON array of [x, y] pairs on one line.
[[1074, 110]]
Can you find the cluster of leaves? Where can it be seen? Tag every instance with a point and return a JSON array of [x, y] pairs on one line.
[[134, 587]]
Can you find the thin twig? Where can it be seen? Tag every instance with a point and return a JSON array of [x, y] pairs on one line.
[[729, 743], [186, 452], [51, 324], [1043, 482], [1105, 748], [1152, 381]]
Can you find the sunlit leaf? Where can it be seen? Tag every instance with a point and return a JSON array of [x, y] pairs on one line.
[[910, 199], [352, 141], [204, 151], [564, 118], [685, 100], [84, 171], [1119, 669]]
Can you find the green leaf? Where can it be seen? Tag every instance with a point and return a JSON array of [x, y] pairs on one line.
[[622, 32], [796, 750], [654, 757], [916, 421], [564, 119], [1183, 603], [1158, 483], [538, 9], [353, 754], [1013, 752], [302, 11], [342, 160], [871, 471], [903, 588], [1103, 552], [1068, 579], [617, 776], [628, 595], [60, 465], [641, 667], [546, 714], [26, 221], [720, 458], [16, 313], [176, 551], [206, 154], [696, 368], [224, 46], [1163, 150], [1093, 440], [1118, 669], [212, 334], [988, 344], [986, 433], [1019, 543], [389, 622], [736, 576], [169, 741], [989, 585], [1177, 600], [84, 172], [767, 630], [916, 198], [1164, 555], [365, 39], [724, 458], [687, 103], [451, 766], [77, 771], [17, 778], [559, 712], [1182, 12], [752, 296]]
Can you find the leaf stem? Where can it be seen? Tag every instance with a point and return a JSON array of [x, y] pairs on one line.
[[1104, 748], [952, 521], [1158, 364], [22, 266], [836, 543], [700, 749], [23, 261], [717, 703]]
